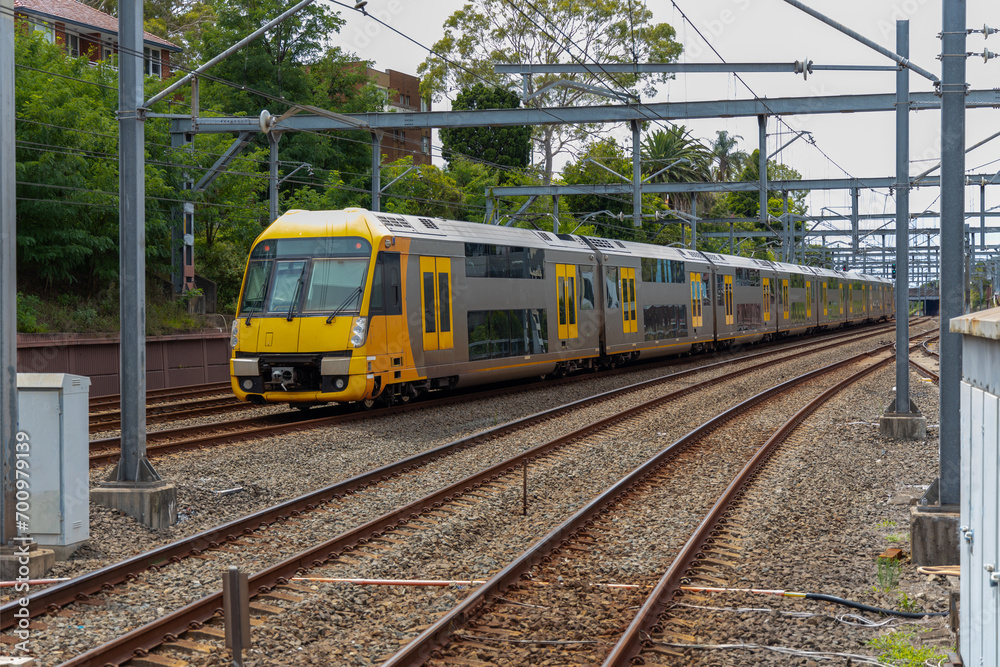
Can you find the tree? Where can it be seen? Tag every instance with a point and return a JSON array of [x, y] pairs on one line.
[[747, 204], [503, 146], [727, 160], [684, 159], [485, 33], [67, 171], [608, 212]]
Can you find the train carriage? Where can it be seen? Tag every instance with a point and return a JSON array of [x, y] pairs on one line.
[[795, 298], [657, 299], [740, 302]]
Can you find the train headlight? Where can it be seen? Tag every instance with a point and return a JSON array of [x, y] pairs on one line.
[[247, 384], [234, 334], [359, 332]]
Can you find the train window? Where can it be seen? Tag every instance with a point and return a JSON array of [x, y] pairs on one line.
[[797, 280], [330, 246], [376, 305], [386, 296], [286, 285], [484, 260], [256, 287], [662, 270], [335, 284], [444, 302], [747, 277], [430, 321], [662, 322], [507, 333], [612, 288], [587, 298]]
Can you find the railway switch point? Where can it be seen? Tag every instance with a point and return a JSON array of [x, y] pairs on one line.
[[902, 425]]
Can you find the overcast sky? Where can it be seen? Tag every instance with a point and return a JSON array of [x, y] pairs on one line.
[[862, 145]]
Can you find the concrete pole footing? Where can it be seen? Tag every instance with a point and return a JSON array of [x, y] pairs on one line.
[[902, 425]]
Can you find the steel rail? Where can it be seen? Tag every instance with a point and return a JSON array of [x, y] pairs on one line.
[[421, 649], [926, 372], [630, 643], [112, 401], [107, 450], [155, 633], [51, 599], [110, 421]]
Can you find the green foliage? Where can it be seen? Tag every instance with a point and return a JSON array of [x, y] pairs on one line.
[[485, 33], [728, 161], [27, 313], [67, 171], [684, 158], [888, 571], [505, 146], [747, 204], [899, 648], [612, 212]]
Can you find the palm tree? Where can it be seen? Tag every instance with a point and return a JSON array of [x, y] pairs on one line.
[[728, 160], [678, 157]]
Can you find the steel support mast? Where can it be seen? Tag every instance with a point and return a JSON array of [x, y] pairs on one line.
[[902, 221], [8, 277], [953, 91]]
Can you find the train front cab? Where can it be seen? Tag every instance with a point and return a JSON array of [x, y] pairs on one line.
[[322, 289]]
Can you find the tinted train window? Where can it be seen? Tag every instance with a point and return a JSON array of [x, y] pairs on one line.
[[587, 298], [797, 280], [494, 334], [662, 322], [484, 260], [662, 270], [747, 277]]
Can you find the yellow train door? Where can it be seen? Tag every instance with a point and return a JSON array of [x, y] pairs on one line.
[[784, 298], [435, 302], [566, 295], [630, 320], [810, 297], [767, 299], [825, 307], [728, 298], [696, 312]]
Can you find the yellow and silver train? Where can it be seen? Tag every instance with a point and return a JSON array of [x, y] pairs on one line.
[[356, 306]]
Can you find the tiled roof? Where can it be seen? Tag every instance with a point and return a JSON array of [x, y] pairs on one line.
[[83, 16]]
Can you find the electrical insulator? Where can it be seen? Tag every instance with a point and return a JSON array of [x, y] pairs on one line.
[[987, 55], [987, 31]]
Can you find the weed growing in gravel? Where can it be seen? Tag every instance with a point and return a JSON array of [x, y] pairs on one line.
[[896, 538], [886, 523], [899, 648], [906, 604], [888, 573]]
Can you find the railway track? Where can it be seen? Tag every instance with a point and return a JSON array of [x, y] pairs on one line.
[[530, 612], [155, 396], [160, 413], [106, 451], [230, 537]]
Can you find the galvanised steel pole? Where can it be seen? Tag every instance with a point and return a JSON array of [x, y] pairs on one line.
[[762, 165], [902, 221], [272, 139], [376, 171], [132, 237], [636, 177], [952, 263], [8, 277]]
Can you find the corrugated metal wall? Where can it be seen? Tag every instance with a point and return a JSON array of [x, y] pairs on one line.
[[171, 361], [979, 640]]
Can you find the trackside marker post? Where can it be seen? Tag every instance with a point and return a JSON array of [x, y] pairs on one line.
[[236, 609]]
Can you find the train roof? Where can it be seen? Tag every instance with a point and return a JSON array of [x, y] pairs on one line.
[[413, 226]]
